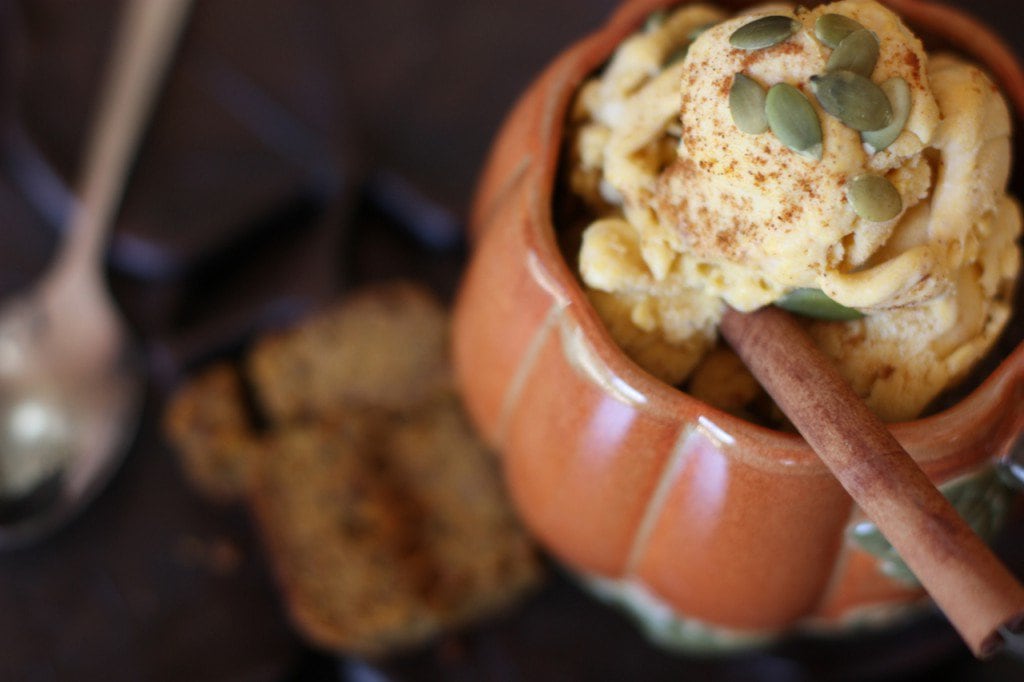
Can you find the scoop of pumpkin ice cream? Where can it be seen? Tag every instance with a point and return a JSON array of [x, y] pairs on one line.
[[771, 219], [696, 214]]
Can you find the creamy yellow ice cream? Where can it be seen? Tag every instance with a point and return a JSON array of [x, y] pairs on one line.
[[695, 214]]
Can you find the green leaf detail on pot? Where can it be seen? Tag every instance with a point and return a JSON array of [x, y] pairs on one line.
[[666, 628], [982, 499]]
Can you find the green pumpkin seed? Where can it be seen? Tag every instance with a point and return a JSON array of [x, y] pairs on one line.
[[793, 119], [655, 20], [814, 303], [746, 103], [764, 32], [696, 32], [898, 93], [853, 99], [831, 29], [858, 52], [874, 198], [677, 55]]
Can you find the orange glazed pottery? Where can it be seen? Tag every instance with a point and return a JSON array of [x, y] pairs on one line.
[[713, 531]]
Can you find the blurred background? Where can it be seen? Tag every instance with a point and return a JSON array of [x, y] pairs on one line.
[[299, 149]]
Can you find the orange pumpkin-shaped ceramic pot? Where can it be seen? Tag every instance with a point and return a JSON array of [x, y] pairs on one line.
[[715, 530]]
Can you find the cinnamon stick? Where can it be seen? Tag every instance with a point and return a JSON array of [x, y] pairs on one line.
[[966, 580]]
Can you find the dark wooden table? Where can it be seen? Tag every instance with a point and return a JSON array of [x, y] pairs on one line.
[[301, 149]]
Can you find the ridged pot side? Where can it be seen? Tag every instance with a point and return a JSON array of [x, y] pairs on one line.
[[624, 477]]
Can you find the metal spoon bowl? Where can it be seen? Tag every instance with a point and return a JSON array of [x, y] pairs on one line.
[[61, 437]]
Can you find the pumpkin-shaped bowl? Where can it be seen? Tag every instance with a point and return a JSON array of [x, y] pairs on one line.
[[716, 531]]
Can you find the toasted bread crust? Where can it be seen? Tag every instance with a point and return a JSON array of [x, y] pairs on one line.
[[207, 422], [385, 345]]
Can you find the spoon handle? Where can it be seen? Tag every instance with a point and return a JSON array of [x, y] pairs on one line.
[[147, 34]]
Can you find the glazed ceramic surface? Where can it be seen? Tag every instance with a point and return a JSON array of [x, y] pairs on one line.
[[712, 528]]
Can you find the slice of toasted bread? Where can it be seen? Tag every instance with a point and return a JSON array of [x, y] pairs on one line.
[[385, 345], [337, 534], [481, 557], [386, 529]]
